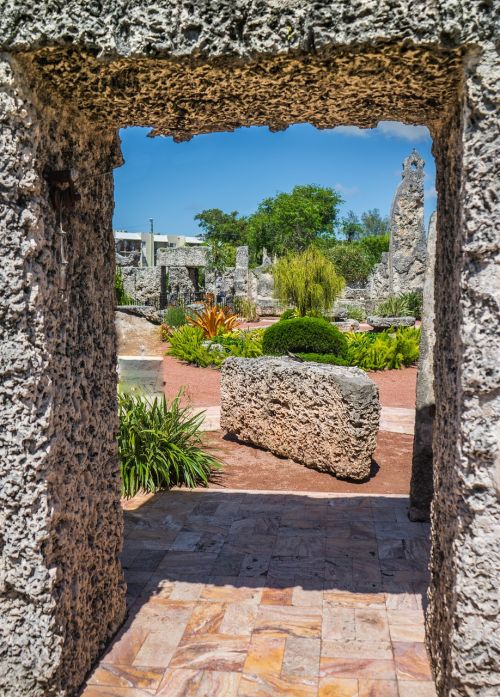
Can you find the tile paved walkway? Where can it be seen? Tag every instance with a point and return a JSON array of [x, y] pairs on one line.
[[254, 594]]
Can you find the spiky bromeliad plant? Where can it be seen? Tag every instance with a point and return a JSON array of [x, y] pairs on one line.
[[159, 445], [213, 319], [307, 280]]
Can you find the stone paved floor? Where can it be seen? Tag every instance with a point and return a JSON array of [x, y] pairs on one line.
[[250, 594]]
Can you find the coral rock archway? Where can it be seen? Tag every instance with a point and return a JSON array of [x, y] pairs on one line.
[[70, 76]]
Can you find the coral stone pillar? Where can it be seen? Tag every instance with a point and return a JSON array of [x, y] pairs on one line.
[[61, 585], [421, 487], [464, 622]]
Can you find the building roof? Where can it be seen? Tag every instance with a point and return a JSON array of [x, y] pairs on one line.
[[160, 237]]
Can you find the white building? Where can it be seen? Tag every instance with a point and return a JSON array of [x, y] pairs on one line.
[[148, 244]]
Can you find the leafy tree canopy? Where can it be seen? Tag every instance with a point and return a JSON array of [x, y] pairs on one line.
[[351, 228], [220, 255], [374, 224], [293, 221], [225, 228]]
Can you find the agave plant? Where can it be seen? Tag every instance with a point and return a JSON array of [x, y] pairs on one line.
[[213, 319]]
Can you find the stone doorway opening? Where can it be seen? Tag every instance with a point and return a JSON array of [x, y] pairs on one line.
[[65, 90]]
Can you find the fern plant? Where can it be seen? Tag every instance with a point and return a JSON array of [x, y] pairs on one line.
[[387, 350], [159, 445]]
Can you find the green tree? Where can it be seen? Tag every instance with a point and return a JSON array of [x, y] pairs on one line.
[[227, 228], [220, 255], [293, 221], [374, 246], [307, 280], [351, 227], [373, 223], [356, 260]]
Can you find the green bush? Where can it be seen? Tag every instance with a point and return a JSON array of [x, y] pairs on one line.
[[324, 358], [175, 316], [289, 313], [356, 260], [384, 350], [356, 313], [159, 445], [304, 335], [188, 344], [350, 262]]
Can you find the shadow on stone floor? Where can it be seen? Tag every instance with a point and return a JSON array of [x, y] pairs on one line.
[[363, 544], [212, 574]]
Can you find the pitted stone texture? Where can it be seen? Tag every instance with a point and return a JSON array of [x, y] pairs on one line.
[[421, 488], [464, 617], [192, 257], [382, 323], [142, 284], [61, 586], [324, 416]]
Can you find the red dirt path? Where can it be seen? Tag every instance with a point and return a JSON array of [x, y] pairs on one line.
[[247, 467]]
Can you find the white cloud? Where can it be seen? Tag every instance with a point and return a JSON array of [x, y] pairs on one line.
[[347, 190], [430, 193], [352, 131], [394, 129]]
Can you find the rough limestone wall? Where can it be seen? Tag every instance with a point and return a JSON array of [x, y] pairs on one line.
[[421, 487], [463, 622], [61, 593], [142, 284], [255, 62]]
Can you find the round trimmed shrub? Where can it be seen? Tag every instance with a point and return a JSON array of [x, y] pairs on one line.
[[304, 335]]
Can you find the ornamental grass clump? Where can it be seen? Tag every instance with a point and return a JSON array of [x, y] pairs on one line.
[[304, 335], [159, 445], [404, 305], [308, 281]]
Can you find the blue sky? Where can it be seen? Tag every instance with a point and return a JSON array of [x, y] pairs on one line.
[[171, 182]]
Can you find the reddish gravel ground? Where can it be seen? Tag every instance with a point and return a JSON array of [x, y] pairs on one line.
[[396, 387], [248, 467], [201, 385]]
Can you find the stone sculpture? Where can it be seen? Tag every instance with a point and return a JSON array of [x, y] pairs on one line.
[[402, 267]]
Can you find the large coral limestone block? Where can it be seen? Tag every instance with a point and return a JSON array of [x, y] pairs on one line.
[[323, 416]]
